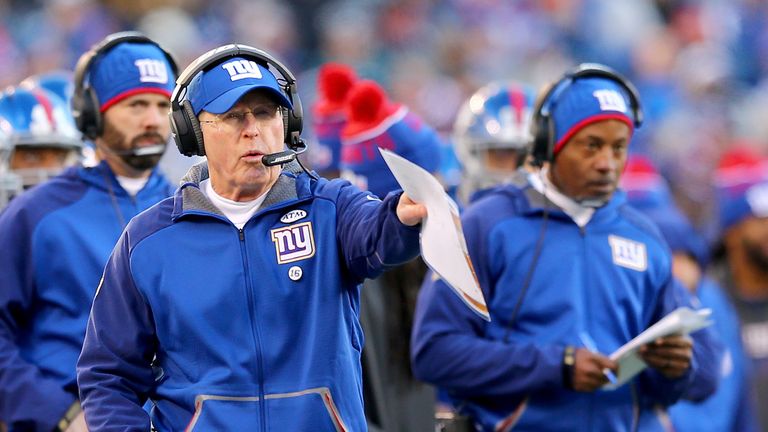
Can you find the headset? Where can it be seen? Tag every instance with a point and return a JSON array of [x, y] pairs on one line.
[[186, 126], [85, 102], [542, 123]]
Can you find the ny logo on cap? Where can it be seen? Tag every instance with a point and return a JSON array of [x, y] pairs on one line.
[[610, 100], [241, 69], [152, 70]]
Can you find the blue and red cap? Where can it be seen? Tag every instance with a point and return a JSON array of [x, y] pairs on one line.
[[129, 69], [584, 101], [741, 184], [218, 89]]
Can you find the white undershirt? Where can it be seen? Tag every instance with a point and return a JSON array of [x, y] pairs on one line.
[[238, 212], [579, 213], [132, 185]]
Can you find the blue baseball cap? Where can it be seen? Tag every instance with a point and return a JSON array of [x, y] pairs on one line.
[[128, 69], [584, 101], [219, 88]]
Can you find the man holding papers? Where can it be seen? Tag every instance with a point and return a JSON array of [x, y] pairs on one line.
[[570, 274]]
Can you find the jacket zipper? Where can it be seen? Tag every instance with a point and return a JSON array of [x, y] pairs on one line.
[[254, 327], [586, 283]]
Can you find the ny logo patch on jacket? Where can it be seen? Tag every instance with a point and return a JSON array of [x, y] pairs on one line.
[[294, 242], [628, 253]]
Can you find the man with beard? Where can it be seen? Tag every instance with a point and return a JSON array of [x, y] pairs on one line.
[[56, 237], [742, 192]]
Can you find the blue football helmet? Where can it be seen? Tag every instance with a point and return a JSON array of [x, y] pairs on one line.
[[496, 117], [10, 182], [36, 119], [60, 82]]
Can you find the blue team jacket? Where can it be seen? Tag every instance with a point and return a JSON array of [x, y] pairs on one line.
[[609, 280], [225, 329], [55, 239]]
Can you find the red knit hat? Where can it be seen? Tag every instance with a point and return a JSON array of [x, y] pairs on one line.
[[334, 80], [367, 107]]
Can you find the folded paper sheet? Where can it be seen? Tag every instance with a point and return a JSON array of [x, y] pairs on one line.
[[442, 240], [682, 321]]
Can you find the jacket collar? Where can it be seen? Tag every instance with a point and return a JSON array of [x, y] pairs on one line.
[[538, 203], [190, 199], [102, 177]]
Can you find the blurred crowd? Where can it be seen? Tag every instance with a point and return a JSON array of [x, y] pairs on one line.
[[699, 64]]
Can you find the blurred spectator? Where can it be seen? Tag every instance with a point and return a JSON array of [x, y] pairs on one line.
[[334, 80], [731, 407], [742, 190], [374, 122]]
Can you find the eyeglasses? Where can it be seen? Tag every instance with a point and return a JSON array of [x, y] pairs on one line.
[[237, 120]]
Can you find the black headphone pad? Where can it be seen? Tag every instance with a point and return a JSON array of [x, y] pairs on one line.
[[541, 138], [194, 143]]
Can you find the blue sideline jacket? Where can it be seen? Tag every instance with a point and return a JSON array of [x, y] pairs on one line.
[[55, 239], [609, 280], [225, 329]]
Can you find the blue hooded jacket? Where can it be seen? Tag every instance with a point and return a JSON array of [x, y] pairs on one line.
[[610, 279], [252, 329], [55, 239]]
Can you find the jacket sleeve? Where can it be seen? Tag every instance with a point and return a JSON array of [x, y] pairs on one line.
[[114, 370], [701, 379], [28, 399], [371, 236], [449, 344], [448, 349]]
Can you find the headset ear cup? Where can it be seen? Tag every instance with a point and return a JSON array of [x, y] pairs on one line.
[[185, 131], [540, 139], [294, 117], [178, 129], [196, 136], [94, 112], [89, 121]]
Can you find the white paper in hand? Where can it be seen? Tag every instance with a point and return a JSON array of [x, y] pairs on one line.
[[682, 320], [442, 240]]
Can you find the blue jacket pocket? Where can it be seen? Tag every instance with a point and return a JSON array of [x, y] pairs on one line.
[[305, 410]]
